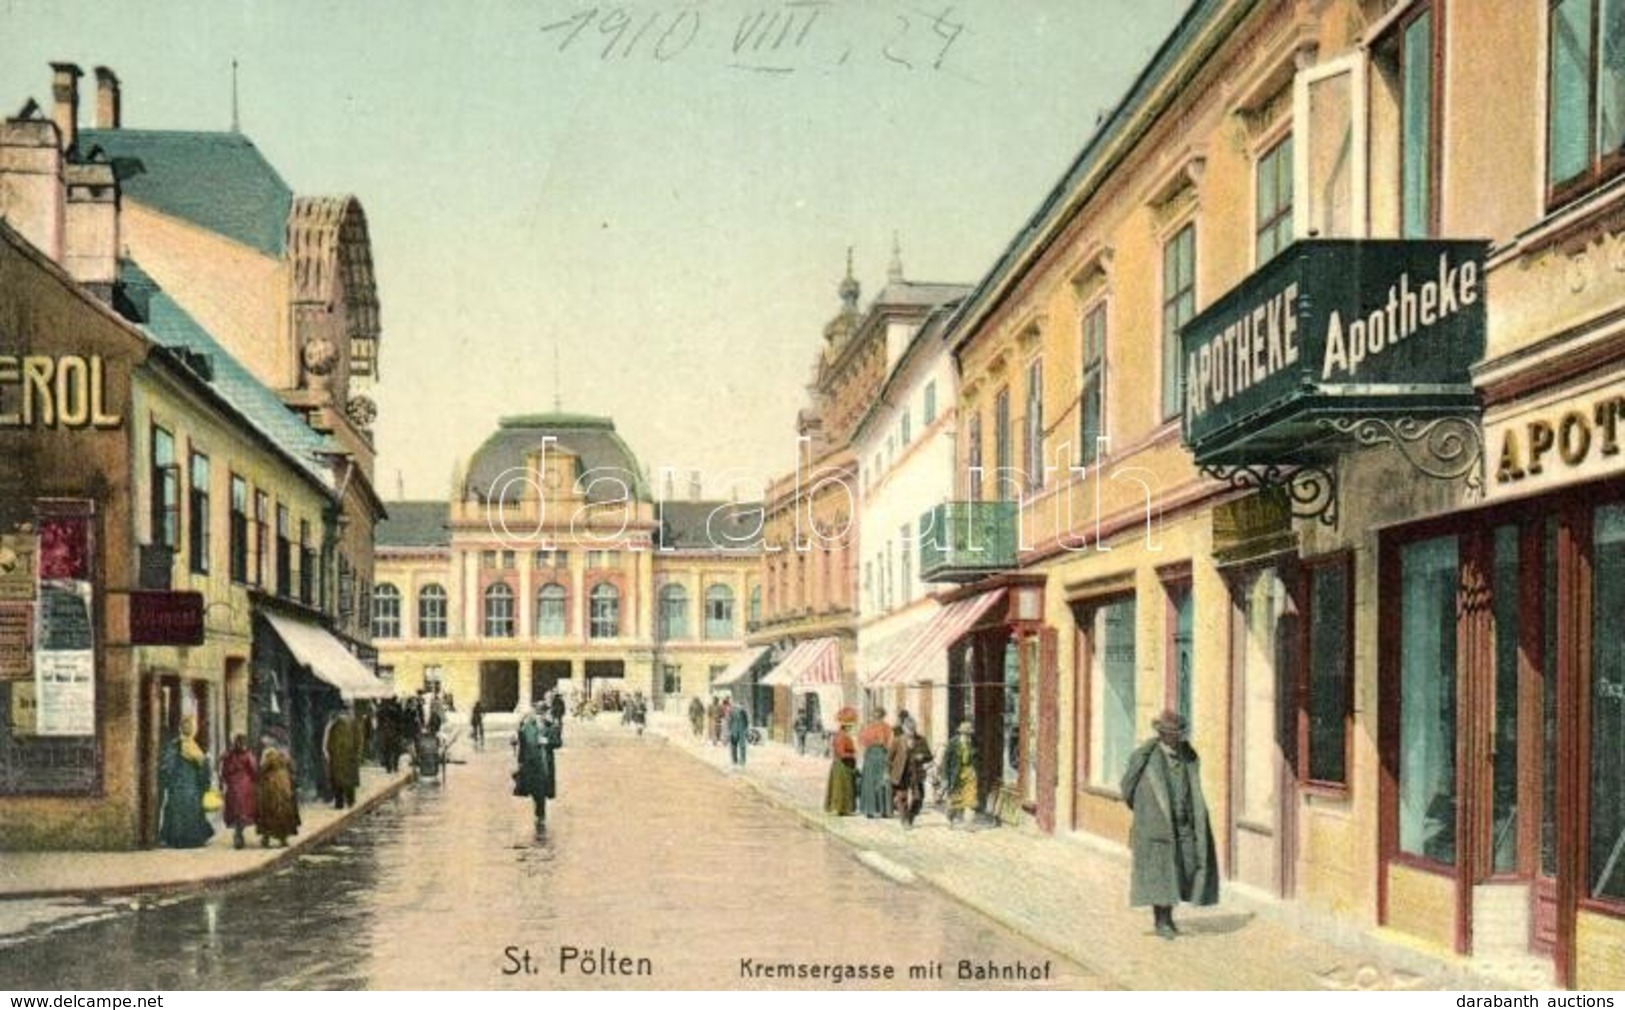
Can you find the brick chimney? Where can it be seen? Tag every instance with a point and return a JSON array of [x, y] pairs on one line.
[[108, 116], [65, 92], [31, 190]]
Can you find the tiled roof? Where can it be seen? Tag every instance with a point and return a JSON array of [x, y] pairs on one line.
[[413, 524], [592, 439], [144, 303], [711, 525], [218, 181]]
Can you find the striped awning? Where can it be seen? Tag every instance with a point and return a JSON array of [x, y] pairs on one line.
[[742, 665], [922, 661], [816, 661]]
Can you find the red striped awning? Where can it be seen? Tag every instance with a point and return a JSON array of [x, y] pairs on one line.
[[815, 661], [922, 660]]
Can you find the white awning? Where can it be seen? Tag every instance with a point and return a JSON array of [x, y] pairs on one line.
[[742, 664], [328, 659]]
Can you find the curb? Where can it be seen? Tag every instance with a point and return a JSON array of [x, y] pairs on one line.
[[193, 884]]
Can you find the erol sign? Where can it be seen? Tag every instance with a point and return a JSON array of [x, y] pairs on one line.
[[1328, 327]]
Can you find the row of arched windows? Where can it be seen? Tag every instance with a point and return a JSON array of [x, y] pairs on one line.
[[603, 612]]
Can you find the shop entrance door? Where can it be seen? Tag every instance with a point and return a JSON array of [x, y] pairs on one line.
[[1263, 645]]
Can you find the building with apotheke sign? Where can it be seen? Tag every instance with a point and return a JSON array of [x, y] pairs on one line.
[[1294, 402]]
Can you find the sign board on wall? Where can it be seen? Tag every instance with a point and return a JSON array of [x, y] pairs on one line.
[[166, 618], [64, 627], [1556, 440]]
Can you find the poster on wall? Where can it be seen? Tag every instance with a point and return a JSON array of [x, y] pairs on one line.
[[65, 647], [24, 712]]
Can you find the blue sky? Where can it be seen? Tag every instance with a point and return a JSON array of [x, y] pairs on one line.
[[660, 193]]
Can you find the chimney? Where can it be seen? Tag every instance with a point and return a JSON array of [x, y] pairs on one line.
[[108, 116], [694, 485], [65, 90]]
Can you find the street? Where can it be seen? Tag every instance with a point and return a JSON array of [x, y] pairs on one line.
[[654, 871]]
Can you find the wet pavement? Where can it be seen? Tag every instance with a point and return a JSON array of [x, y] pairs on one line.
[[654, 872]]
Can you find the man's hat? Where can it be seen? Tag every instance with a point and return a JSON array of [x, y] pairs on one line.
[[964, 728], [1170, 720]]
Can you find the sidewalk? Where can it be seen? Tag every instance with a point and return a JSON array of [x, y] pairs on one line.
[[86, 874], [1071, 895]]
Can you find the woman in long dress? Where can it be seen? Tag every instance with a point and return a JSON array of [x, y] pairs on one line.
[[959, 774], [874, 788], [238, 774], [840, 792], [535, 777], [183, 777], [276, 808]]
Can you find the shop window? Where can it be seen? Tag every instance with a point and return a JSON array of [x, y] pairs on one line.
[[1605, 852], [1427, 702], [550, 611], [1585, 95], [1179, 649], [166, 490], [1092, 386], [1111, 691], [604, 611], [1034, 462], [198, 514], [1178, 306], [239, 529], [673, 612], [1328, 682], [1272, 225], [719, 611], [432, 611], [498, 610], [386, 611]]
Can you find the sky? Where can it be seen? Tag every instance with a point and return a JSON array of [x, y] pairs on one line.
[[658, 196]]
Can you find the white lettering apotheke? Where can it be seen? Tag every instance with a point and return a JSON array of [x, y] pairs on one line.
[[1408, 309]]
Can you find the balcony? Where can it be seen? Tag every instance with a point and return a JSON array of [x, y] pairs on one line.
[[966, 540]]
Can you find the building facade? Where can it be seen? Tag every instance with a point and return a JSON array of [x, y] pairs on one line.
[[1292, 402], [555, 567]]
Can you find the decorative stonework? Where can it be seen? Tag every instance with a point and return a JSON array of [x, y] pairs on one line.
[[361, 411], [320, 356]]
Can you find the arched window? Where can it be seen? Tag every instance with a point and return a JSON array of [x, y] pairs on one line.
[[550, 619], [386, 611], [604, 612], [498, 611], [431, 611], [719, 612], [673, 612]]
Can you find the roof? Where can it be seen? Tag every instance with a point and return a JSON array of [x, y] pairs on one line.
[[711, 525], [593, 440], [413, 524], [902, 292], [929, 335], [1060, 202], [144, 303], [217, 181]]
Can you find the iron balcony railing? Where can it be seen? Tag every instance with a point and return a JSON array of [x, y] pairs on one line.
[[964, 540]]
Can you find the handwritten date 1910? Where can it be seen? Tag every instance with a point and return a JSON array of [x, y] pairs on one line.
[[776, 38]]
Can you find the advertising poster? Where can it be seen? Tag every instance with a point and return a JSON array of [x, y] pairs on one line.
[[64, 654]]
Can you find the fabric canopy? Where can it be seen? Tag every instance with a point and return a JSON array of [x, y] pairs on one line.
[[742, 664], [815, 661], [922, 661], [328, 659]]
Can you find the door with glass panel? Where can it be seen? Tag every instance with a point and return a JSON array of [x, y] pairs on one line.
[[1262, 664]]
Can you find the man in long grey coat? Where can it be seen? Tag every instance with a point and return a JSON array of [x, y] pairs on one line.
[[1172, 842]]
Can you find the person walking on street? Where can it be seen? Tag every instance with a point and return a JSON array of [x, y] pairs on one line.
[[738, 734], [874, 785], [906, 763], [239, 776], [341, 751], [696, 717], [841, 790], [959, 774], [276, 807], [536, 775], [476, 723], [1171, 839], [183, 777]]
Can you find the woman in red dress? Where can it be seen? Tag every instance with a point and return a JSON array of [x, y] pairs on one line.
[[840, 795]]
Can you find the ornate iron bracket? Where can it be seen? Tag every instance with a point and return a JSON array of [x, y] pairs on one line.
[[1311, 489], [1444, 448]]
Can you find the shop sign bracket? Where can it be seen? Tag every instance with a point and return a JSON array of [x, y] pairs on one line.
[[1311, 489]]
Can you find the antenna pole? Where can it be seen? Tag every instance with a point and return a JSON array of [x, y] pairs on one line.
[[234, 121]]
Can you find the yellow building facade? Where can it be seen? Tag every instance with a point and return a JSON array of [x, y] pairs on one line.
[[1379, 610], [557, 568]]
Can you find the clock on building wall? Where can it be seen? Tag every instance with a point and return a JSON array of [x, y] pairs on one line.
[[320, 356]]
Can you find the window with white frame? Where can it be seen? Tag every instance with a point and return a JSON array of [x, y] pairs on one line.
[[1092, 385], [498, 610], [1178, 306], [432, 611], [1272, 219], [386, 611], [1034, 462], [550, 611], [604, 611], [719, 612], [673, 612]]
